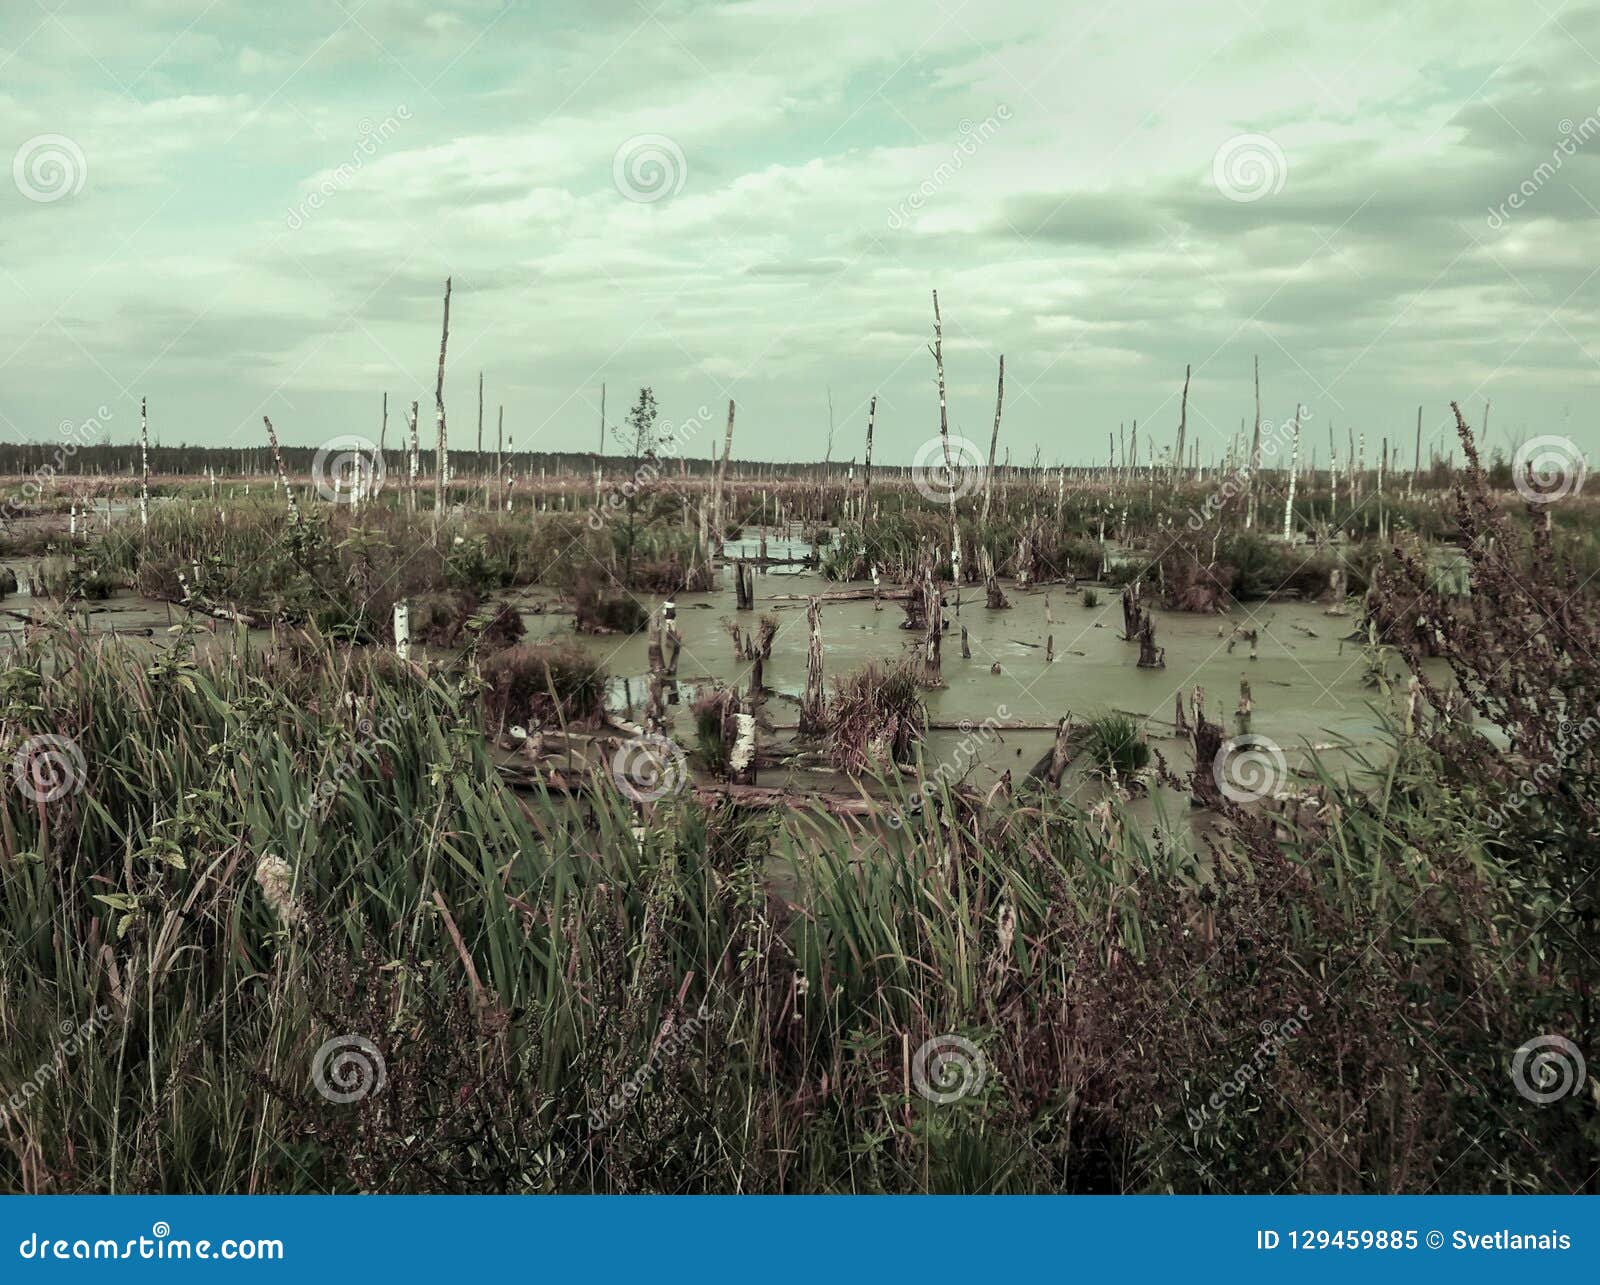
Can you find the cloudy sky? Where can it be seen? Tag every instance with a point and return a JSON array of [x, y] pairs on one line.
[[238, 210]]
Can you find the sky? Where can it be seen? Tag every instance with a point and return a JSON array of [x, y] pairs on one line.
[[236, 210]]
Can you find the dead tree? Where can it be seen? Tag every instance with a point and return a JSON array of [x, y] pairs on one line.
[[1053, 763], [1336, 593], [1132, 612], [719, 516], [994, 599], [933, 611], [1150, 656], [866, 480], [1183, 426], [1208, 742], [442, 449], [813, 703], [744, 586], [994, 441], [966, 649], [1241, 716]]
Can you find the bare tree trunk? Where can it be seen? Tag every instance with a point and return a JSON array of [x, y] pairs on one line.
[[813, 704], [383, 428], [144, 465], [866, 491], [719, 517], [283, 476], [1255, 455], [442, 463], [1150, 656], [934, 611], [1416, 459], [1294, 473], [944, 416], [994, 441], [1183, 426], [480, 422], [499, 458], [416, 457]]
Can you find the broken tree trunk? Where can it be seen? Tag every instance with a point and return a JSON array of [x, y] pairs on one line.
[[1131, 612], [934, 614], [813, 703], [866, 479], [994, 441], [441, 463], [719, 516], [1150, 656], [1203, 782]]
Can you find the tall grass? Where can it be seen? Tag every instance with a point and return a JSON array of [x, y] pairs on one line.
[[513, 958]]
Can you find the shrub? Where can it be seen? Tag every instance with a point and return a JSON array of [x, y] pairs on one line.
[[543, 684], [876, 718]]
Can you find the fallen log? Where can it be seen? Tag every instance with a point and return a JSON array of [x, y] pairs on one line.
[[846, 595]]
